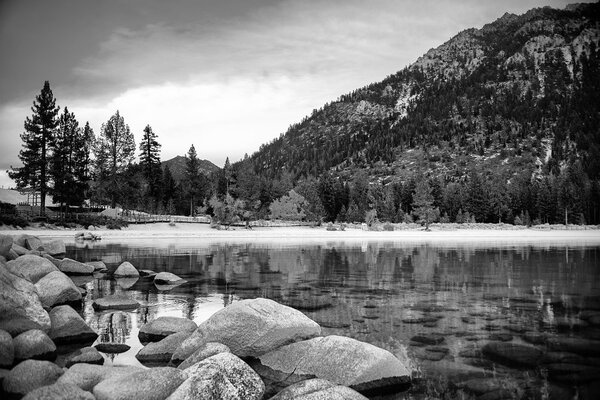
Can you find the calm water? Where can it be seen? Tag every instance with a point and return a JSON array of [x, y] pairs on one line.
[[383, 293]]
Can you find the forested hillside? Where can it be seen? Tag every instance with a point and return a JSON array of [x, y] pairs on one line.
[[516, 102]]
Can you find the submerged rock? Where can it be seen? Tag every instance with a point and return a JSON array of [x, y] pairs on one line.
[[126, 269], [222, 376], [513, 355], [318, 389], [30, 375], [341, 360], [112, 348], [19, 300], [162, 327], [59, 391], [251, 328], [31, 267], [117, 302], [581, 346], [56, 289], [150, 384], [69, 327], [34, 344]]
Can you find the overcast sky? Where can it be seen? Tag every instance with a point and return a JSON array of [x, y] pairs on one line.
[[223, 75]]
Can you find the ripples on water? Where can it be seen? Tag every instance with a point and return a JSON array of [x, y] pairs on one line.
[[434, 305]]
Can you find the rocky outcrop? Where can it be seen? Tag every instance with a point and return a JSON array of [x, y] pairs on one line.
[[150, 384], [31, 267], [251, 328], [19, 301], [34, 344], [222, 376], [162, 327], [126, 269], [341, 360], [30, 375], [69, 327], [317, 389], [56, 289]]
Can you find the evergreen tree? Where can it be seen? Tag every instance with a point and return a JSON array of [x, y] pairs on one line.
[[195, 181], [150, 161], [114, 150], [69, 160], [423, 204], [477, 202], [39, 133]]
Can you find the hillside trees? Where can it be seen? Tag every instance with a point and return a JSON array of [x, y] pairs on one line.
[[39, 133], [114, 151], [195, 184]]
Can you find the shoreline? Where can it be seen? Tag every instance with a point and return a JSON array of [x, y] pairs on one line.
[[501, 234]]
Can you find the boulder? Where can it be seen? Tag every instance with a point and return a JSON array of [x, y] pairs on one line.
[[53, 260], [317, 389], [56, 289], [55, 248], [33, 243], [72, 267], [18, 325], [87, 355], [19, 250], [126, 283], [207, 350], [112, 348], [7, 350], [69, 327], [34, 344], [147, 273], [251, 328], [162, 327], [512, 354], [86, 376], [150, 384], [31, 267], [160, 353], [116, 302], [126, 269], [341, 360], [59, 391], [30, 375], [19, 300], [99, 266], [222, 376], [6, 243], [166, 278]]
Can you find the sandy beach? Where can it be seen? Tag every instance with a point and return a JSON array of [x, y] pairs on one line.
[[444, 234]]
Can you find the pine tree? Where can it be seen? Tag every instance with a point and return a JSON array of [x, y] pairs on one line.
[[423, 203], [39, 133], [114, 150], [150, 161], [195, 181], [69, 162]]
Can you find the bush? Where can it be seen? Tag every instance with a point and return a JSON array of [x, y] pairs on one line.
[[13, 220], [331, 227], [388, 227]]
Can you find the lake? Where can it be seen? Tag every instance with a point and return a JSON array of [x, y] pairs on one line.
[[434, 305]]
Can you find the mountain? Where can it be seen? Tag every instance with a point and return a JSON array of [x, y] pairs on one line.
[[521, 93], [177, 167]]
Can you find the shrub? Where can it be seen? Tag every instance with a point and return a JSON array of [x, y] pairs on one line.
[[13, 220], [388, 227], [331, 227]]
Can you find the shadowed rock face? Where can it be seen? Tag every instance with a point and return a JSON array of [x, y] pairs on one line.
[[251, 328], [160, 353], [162, 327], [222, 376], [69, 327], [341, 360]]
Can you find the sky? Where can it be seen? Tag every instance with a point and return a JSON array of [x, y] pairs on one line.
[[224, 75]]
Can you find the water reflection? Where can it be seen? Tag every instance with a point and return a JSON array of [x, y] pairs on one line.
[[382, 293]]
